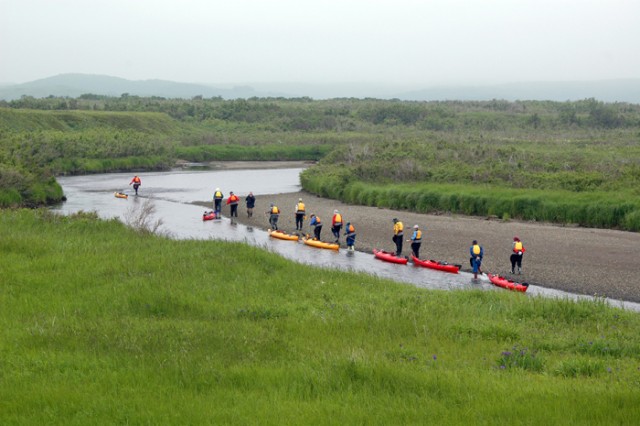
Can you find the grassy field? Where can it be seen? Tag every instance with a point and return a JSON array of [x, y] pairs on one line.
[[101, 324]]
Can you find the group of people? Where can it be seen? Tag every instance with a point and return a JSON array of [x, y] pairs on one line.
[[476, 253]]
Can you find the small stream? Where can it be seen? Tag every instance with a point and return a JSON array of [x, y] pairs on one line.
[[174, 192]]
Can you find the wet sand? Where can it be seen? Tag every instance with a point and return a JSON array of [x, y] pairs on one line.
[[578, 260]]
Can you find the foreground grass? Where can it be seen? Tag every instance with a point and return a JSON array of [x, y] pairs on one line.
[[99, 324]]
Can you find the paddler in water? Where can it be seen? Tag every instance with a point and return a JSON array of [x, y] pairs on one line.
[[136, 183]]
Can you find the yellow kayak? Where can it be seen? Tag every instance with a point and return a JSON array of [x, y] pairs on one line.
[[282, 236], [320, 244], [120, 195]]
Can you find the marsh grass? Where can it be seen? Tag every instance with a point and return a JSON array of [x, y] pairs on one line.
[[100, 324]]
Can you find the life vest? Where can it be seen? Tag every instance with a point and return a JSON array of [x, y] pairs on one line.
[[398, 228], [218, 195], [418, 236], [518, 247], [476, 249], [275, 210], [233, 199], [300, 208], [337, 219], [136, 179], [318, 222], [351, 229]]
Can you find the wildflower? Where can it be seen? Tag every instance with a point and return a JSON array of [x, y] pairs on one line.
[[435, 357]]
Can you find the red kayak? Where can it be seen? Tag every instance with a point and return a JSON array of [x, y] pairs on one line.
[[209, 216], [434, 264], [389, 257], [508, 284]]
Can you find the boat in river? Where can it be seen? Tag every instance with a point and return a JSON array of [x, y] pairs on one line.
[[283, 235], [434, 264], [389, 257], [503, 282]]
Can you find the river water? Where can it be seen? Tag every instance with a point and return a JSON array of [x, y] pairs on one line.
[[172, 194]]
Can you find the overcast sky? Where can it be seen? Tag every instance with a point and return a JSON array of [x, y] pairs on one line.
[[395, 42]]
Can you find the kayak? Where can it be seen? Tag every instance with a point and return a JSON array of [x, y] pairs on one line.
[[209, 216], [282, 236], [507, 283], [121, 195], [389, 257], [320, 244], [434, 264]]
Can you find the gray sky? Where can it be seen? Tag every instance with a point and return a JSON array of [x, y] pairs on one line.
[[395, 42]]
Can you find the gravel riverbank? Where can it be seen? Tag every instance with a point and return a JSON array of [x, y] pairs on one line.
[[578, 260]]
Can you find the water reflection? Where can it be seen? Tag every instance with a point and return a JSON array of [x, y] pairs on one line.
[[172, 193]]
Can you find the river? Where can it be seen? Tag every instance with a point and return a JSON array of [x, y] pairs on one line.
[[173, 194]]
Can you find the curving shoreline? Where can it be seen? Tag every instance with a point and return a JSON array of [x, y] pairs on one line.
[[578, 260]]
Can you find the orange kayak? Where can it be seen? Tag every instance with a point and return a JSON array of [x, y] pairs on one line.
[[507, 283], [320, 244], [121, 195], [282, 236]]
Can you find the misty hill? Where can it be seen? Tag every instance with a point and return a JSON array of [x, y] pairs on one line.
[[74, 85]]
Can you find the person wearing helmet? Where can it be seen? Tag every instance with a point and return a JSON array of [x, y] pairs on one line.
[[517, 252], [217, 201], [398, 233], [336, 225], [416, 241], [300, 212]]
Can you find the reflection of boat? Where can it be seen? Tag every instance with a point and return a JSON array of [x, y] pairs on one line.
[[507, 283], [281, 235], [389, 257], [434, 264], [320, 244], [121, 195]]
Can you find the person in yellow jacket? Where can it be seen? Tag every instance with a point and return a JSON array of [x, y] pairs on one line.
[[217, 200], [274, 214], [476, 253], [398, 235], [300, 213], [516, 255]]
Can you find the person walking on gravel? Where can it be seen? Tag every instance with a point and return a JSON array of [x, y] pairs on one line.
[[416, 241], [316, 224], [398, 235], [336, 225], [516, 255], [300, 212]]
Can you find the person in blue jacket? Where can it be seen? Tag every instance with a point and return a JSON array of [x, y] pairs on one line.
[[350, 233], [476, 252], [316, 224]]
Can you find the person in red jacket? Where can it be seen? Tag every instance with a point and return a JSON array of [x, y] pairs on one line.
[[232, 202], [136, 183]]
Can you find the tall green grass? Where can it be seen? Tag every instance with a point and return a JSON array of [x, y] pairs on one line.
[[101, 325]]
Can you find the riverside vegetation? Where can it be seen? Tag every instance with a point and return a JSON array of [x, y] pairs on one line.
[[102, 323], [563, 162]]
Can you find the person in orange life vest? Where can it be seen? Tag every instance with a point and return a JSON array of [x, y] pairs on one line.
[[416, 241], [274, 214], [232, 202], [350, 232], [336, 224], [516, 255], [476, 252], [300, 212], [398, 233], [136, 183], [217, 200], [317, 226]]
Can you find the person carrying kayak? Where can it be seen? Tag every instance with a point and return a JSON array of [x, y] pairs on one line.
[[217, 200], [274, 214], [336, 225], [251, 203], [350, 233], [232, 202], [476, 252], [317, 226], [136, 183], [300, 212], [516, 255], [416, 241], [398, 233]]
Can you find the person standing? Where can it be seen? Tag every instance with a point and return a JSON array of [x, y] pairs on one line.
[[274, 214], [350, 233], [232, 202], [136, 183], [416, 241], [251, 203], [476, 252], [336, 225], [317, 226], [398, 234], [217, 201], [516, 255], [300, 212]]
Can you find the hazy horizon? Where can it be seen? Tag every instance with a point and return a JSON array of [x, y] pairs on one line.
[[400, 43]]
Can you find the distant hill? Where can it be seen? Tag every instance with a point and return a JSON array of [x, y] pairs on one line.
[[74, 85]]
